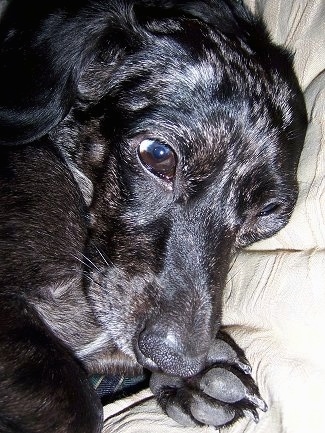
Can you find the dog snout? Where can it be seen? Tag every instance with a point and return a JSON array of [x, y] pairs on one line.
[[179, 331]]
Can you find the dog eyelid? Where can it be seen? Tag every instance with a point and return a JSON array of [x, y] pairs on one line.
[[269, 209]]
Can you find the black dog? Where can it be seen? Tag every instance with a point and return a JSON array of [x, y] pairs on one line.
[[142, 144]]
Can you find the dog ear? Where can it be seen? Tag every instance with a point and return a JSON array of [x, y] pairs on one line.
[[227, 16], [42, 52]]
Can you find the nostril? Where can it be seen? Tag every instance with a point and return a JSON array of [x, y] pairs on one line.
[[168, 353]]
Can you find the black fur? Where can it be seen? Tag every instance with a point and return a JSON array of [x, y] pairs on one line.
[[109, 263]]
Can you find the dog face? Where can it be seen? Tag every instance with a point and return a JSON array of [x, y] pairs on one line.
[[193, 153], [182, 126]]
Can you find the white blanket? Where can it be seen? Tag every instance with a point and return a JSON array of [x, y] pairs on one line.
[[275, 298]]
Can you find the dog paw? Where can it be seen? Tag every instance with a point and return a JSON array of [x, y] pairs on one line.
[[223, 392]]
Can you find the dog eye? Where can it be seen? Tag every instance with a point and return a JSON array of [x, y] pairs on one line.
[[158, 158], [269, 209]]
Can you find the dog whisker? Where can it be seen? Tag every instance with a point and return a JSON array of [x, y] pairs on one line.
[[91, 262], [92, 280], [104, 257], [87, 262]]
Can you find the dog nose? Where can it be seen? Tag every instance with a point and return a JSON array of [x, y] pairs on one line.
[[164, 350]]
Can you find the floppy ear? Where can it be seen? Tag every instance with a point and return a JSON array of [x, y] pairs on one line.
[[44, 47], [42, 51], [228, 16]]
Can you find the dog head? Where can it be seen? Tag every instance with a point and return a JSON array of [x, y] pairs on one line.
[[183, 125]]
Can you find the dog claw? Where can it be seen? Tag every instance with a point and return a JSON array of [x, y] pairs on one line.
[[252, 414], [245, 368], [224, 350], [257, 401]]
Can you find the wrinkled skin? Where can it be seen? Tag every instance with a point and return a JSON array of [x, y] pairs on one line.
[[109, 263]]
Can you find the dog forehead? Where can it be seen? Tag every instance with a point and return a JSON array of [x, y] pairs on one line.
[[208, 127], [185, 75], [195, 107], [200, 97], [173, 78]]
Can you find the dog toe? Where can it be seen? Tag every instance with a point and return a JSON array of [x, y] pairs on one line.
[[225, 350], [211, 412], [178, 413], [223, 385]]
